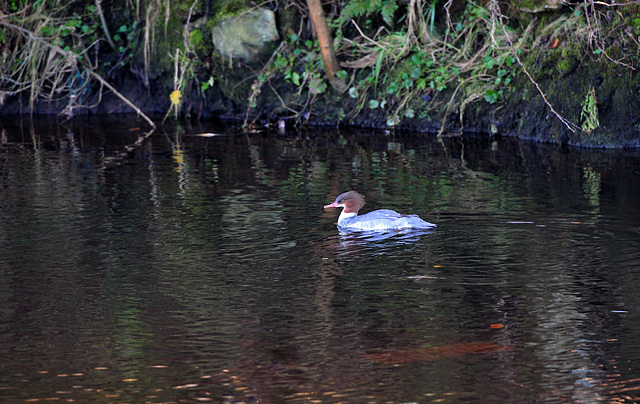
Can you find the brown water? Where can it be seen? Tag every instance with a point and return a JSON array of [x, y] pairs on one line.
[[183, 268]]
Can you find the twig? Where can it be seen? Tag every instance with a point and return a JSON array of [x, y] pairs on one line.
[[367, 38], [185, 37], [122, 97], [105, 28], [601, 3], [284, 104], [448, 109]]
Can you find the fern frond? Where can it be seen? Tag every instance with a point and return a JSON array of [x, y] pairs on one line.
[[361, 8]]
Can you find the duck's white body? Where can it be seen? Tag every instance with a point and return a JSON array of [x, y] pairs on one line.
[[378, 220]]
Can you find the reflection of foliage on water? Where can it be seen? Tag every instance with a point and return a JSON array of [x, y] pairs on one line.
[[591, 186]]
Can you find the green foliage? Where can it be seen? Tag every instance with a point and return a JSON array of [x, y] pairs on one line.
[[589, 114], [302, 66], [471, 61], [635, 23], [360, 8], [375, 104], [75, 31], [431, 14], [421, 72], [207, 84], [124, 38], [491, 96], [503, 66]]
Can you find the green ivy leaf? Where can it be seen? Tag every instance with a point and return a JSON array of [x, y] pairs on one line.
[[393, 121], [491, 96], [320, 88]]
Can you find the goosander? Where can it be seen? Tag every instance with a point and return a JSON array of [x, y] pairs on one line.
[[380, 220]]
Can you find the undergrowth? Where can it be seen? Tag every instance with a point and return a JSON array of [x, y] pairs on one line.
[[65, 52], [395, 53]]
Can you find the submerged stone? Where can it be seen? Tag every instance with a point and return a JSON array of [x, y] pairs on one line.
[[245, 35]]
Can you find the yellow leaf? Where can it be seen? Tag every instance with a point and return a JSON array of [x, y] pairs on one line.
[[175, 97]]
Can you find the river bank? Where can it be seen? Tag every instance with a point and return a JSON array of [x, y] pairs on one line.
[[550, 72]]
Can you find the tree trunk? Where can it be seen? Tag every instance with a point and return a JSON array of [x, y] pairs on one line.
[[331, 66]]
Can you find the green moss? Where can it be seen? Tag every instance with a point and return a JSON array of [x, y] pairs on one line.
[[201, 46], [195, 37], [563, 66], [529, 5], [635, 23], [569, 58], [225, 8], [165, 44]]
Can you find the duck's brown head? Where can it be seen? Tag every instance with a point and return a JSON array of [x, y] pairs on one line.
[[351, 201]]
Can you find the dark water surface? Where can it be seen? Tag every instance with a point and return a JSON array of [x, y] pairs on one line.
[[184, 268]]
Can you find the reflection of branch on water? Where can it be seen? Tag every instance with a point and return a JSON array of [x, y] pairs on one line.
[[128, 148], [463, 161], [132, 146]]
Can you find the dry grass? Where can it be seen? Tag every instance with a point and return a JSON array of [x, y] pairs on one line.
[[45, 56]]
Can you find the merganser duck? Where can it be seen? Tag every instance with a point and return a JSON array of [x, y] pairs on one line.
[[380, 220]]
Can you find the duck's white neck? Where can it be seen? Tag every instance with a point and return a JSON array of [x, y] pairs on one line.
[[344, 216]]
